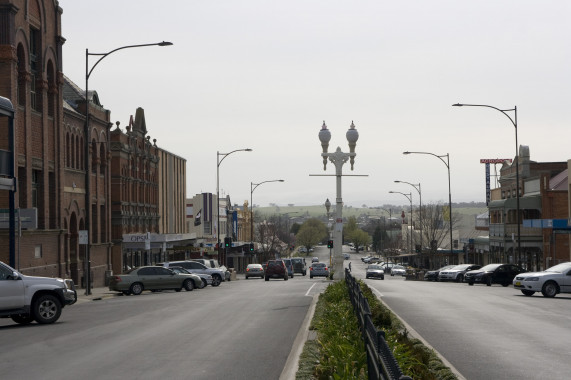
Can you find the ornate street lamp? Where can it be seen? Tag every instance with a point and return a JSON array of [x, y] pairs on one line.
[[338, 158]]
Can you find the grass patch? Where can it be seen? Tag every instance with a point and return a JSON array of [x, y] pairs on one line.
[[338, 352]]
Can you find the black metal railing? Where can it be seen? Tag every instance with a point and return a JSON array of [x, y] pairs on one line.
[[381, 364]]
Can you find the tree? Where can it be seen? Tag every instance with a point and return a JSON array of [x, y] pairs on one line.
[[360, 238], [435, 229], [311, 232], [381, 239]]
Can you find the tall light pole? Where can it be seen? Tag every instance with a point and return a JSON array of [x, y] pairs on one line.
[[253, 187], [409, 197], [87, 161], [218, 162], [328, 207], [514, 123], [417, 188], [338, 159], [447, 163]]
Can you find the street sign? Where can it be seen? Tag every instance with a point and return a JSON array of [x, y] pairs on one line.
[[83, 237]]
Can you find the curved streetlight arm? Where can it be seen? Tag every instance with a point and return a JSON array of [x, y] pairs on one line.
[[87, 53], [415, 185], [408, 196], [258, 184], [514, 122], [227, 154], [435, 155]]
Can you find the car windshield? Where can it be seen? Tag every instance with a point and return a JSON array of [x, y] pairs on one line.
[[559, 268], [254, 266], [398, 267], [318, 265], [374, 267], [461, 267], [490, 267]]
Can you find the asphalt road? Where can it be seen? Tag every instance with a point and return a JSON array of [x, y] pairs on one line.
[[240, 330], [484, 332]]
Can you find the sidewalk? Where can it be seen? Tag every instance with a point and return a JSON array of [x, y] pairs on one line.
[[97, 294]]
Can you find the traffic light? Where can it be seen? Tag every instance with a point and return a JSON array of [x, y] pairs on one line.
[[251, 247], [329, 243], [227, 242]]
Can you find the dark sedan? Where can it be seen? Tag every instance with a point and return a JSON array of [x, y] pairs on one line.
[[375, 271], [502, 274], [432, 275]]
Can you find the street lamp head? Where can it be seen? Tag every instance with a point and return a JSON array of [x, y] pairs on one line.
[[457, 105], [397, 181], [406, 152], [324, 137], [165, 43], [352, 136]]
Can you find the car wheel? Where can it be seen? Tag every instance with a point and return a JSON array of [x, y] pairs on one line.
[[367, 277], [285, 277], [246, 277], [304, 273], [267, 278], [22, 319], [460, 278], [528, 293], [489, 281], [505, 284], [549, 289], [46, 309], [136, 288], [310, 276], [470, 283], [188, 285], [216, 280], [176, 290]]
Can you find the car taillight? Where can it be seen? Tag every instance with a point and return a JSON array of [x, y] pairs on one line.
[[117, 278], [325, 268], [310, 268], [247, 269]]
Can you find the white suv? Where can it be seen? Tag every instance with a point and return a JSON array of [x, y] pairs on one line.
[[29, 298]]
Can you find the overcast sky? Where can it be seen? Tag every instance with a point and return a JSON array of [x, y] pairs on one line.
[[265, 74]]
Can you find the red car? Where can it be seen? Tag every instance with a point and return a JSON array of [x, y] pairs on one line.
[[276, 269]]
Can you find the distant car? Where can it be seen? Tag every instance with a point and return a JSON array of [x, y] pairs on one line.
[[276, 269], [318, 270], [457, 272], [388, 266], [135, 281], [299, 265], [254, 270], [502, 274], [375, 271], [213, 263], [432, 275], [289, 266], [550, 282], [346, 256], [205, 278], [398, 270], [315, 260], [365, 258]]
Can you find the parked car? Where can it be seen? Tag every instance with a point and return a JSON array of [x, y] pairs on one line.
[[289, 266], [549, 282], [136, 280], [432, 275], [276, 269], [315, 260], [205, 278], [195, 267], [457, 272], [365, 258], [29, 298], [213, 263], [346, 256], [398, 270], [387, 267], [493, 274], [318, 270], [375, 271], [299, 265], [254, 270]]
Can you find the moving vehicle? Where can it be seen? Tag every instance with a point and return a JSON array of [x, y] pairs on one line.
[[346, 256], [493, 274], [154, 278], [549, 282], [299, 265], [276, 269], [318, 270], [254, 270], [289, 266], [432, 275], [30, 298], [457, 272], [315, 260], [375, 271]]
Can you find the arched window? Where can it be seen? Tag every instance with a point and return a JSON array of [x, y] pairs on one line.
[[21, 75], [93, 157], [52, 89], [102, 159], [67, 150]]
